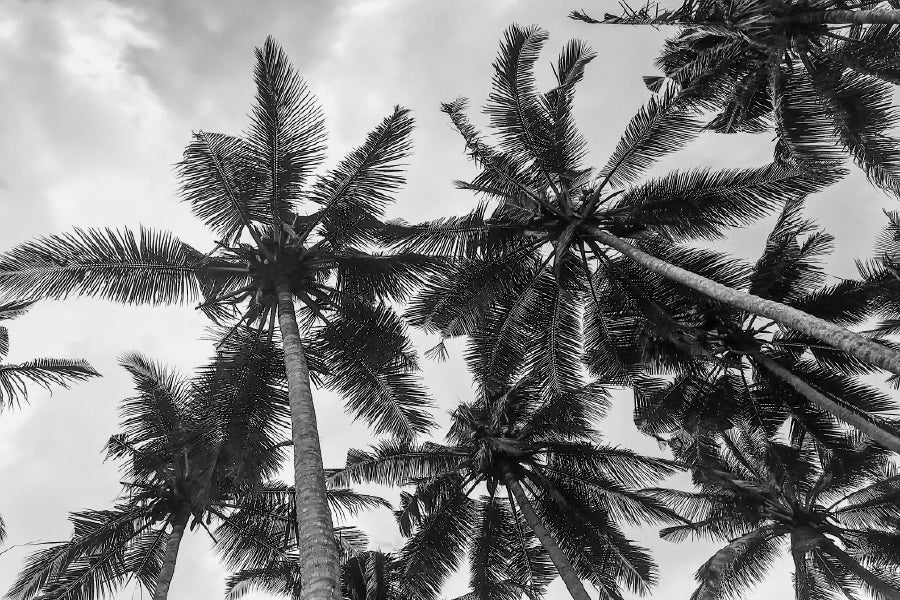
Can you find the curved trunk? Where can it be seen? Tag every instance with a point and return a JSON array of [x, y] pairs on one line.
[[886, 16], [882, 436], [170, 555], [871, 579], [319, 564], [562, 564], [852, 343]]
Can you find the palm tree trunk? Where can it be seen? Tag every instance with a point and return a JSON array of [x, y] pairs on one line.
[[873, 430], [319, 563], [871, 579], [560, 561], [170, 555], [872, 16], [852, 343]]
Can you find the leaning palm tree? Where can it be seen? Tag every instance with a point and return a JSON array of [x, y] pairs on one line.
[[821, 71], [44, 372], [519, 482], [249, 191], [188, 447], [837, 507], [726, 363], [528, 248]]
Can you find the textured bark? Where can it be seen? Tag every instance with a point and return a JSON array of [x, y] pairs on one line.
[[319, 562], [852, 343], [851, 564], [170, 555], [872, 16], [882, 436], [560, 561]]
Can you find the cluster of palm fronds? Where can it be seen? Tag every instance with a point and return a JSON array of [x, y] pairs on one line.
[[762, 379]]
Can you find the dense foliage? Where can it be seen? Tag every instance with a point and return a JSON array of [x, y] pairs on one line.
[[768, 384]]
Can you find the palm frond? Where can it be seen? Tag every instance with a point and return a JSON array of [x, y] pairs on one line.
[[285, 142], [660, 127], [215, 180], [372, 364], [702, 203], [362, 183], [43, 372], [151, 267]]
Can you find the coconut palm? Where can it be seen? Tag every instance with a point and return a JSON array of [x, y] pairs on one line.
[[837, 507], [821, 71], [187, 447], [528, 247], [44, 372], [250, 192], [727, 363], [522, 487]]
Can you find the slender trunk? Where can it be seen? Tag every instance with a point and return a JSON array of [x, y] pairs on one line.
[[562, 564], [319, 563], [886, 16], [871, 579], [852, 343], [170, 555], [873, 430]]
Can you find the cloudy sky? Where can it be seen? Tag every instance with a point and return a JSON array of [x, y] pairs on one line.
[[99, 98]]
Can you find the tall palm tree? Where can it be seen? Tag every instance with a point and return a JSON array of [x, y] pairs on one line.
[[45, 372], [188, 446], [821, 71], [837, 507], [249, 191], [527, 247], [728, 363], [520, 482]]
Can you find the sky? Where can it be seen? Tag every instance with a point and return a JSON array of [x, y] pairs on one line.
[[99, 99]]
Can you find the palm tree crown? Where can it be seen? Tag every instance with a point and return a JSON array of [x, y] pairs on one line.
[[566, 496], [821, 71], [531, 252], [188, 447], [837, 508]]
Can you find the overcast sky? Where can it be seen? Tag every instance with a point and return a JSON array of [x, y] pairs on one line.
[[99, 98]]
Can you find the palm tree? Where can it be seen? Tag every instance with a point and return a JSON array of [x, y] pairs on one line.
[[727, 363], [527, 249], [565, 496], [188, 447], [45, 372], [248, 191], [837, 507], [821, 71]]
